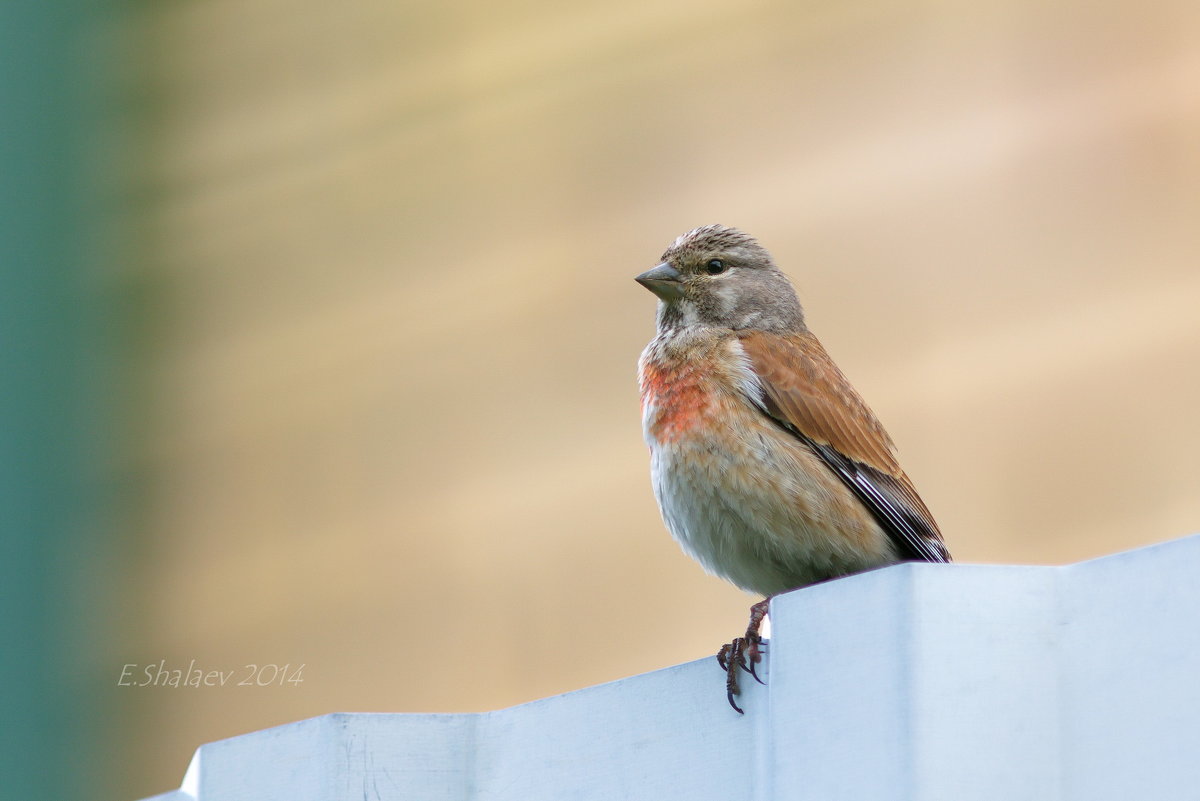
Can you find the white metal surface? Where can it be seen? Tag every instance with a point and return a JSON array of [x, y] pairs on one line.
[[913, 683]]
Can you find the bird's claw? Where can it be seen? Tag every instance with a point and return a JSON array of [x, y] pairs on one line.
[[730, 659], [755, 658], [741, 654], [744, 653], [729, 694]]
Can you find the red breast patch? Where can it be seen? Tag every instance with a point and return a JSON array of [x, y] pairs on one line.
[[677, 397]]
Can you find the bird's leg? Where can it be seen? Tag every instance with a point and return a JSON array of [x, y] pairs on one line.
[[753, 638], [743, 653]]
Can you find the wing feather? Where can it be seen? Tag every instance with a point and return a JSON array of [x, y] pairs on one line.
[[806, 393]]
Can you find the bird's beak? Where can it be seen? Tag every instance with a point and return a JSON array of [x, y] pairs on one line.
[[664, 281]]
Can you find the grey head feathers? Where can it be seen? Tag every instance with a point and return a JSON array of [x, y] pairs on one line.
[[729, 281]]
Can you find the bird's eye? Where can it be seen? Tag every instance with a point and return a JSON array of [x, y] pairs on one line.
[[715, 267]]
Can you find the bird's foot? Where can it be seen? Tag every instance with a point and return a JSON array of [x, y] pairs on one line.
[[744, 653]]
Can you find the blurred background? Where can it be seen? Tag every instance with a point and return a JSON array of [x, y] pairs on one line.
[[320, 328]]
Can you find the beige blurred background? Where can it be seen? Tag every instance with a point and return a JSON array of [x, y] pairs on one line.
[[377, 260]]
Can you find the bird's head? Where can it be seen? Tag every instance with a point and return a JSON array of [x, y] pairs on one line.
[[719, 277]]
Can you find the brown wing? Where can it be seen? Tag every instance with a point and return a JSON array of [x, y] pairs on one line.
[[805, 392]]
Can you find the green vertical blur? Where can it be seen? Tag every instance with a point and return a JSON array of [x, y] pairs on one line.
[[52, 357]]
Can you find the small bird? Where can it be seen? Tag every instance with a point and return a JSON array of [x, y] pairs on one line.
[[767, 466]]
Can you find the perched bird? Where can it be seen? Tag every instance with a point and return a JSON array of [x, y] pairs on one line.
[[767, 466]]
